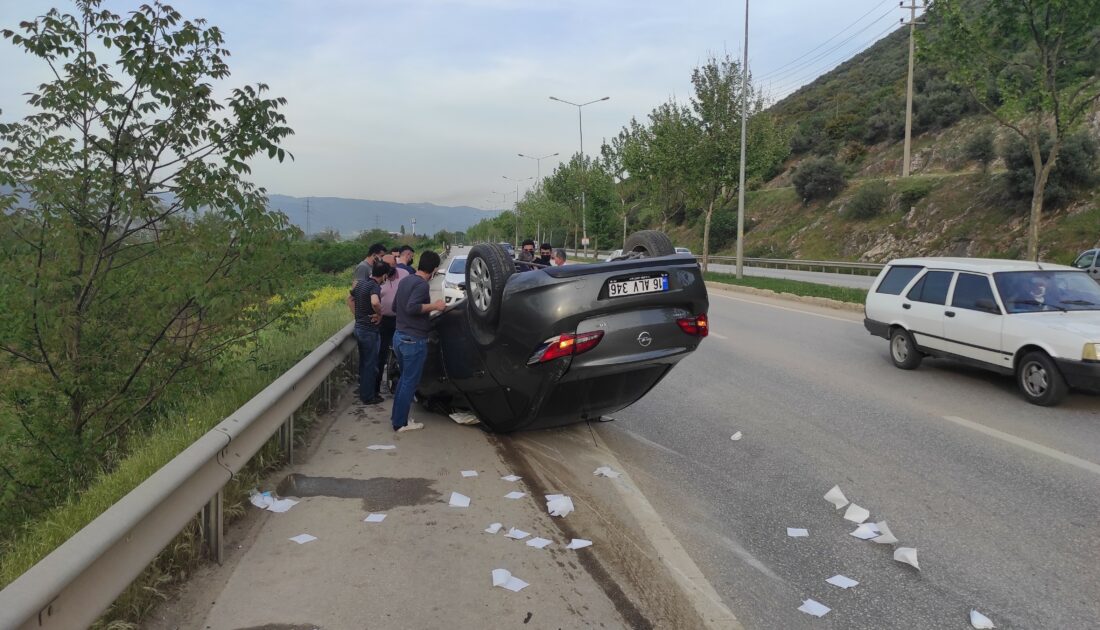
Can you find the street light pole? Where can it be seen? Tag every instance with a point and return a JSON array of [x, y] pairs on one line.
[[580, 126], [744, 125], [517, 180], [538, 166]]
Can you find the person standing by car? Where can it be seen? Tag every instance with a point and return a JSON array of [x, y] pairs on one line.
[[545, 254], [413, 306], [388, 324], [364, 268], [366, 295], [527, 251], [405, 258], [559, 257]]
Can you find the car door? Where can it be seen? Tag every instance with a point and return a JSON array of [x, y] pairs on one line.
[[972, 324], [924, 308], [1089, 261]]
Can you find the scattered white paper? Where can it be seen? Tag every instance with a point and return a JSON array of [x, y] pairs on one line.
[[463, 417], [504, 579], [815, 608], [797, 532], [511, 478], [282, 505], [908, 555], [578, 543], [517, 534], [515, 494], [261, 500], [381, 447], [539, 543], [374, 518], [469, 473], [736, 436], [980, 621], [302, 539], [559, 504], [886, 537], [842, 581], [493, 528], [606, 471], [866, 531], [459, 500], [856, 514], [836, 497]]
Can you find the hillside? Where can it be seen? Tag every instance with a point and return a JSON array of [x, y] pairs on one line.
[[349, 216]]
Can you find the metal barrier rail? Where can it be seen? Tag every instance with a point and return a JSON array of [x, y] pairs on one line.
[[73, 585], [832, 266]]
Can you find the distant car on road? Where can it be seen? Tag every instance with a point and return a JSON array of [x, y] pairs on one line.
[[1090, 262], [683, 250], [454, 280], [1037, 321], [508, 247], [613, 255]]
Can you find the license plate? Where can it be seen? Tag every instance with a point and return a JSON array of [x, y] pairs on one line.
[[637, 287]]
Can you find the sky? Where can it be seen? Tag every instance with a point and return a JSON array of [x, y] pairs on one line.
[[432, 100]]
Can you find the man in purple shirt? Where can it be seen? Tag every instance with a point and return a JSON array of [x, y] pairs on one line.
[[413, 306], [388, 324]]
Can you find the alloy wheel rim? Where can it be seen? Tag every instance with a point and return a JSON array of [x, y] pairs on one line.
[[1035, 379], [901, 352], [482, 286]]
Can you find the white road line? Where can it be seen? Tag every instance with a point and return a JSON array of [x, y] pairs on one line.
[[1065, 458], [785, 308]]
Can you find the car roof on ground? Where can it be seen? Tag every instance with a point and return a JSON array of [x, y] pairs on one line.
[[981, 265]]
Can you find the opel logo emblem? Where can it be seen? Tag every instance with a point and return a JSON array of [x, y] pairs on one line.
[[644, 339]]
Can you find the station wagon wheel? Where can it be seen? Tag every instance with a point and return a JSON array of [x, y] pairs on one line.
[[649, 243], [1039, 380], [488, 268], [903, 351]]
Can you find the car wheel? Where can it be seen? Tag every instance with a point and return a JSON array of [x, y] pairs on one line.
[[1039, 380], [488, 268], [903, 352], [649, 243]]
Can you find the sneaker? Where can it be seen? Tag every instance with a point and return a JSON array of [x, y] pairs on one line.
[[411, 426], [377, 400]]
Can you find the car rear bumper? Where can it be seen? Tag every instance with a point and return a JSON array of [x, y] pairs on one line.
[[1081, 374], [876, 328]]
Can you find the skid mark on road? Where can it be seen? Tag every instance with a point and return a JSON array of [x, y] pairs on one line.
[[1065, 458], [786, 308]]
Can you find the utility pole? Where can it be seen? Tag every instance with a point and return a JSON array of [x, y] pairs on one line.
[[744, 126], [307, 218], [909, 88], [414, 228]]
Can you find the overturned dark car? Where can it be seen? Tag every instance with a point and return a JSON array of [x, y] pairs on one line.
[[535, 347]]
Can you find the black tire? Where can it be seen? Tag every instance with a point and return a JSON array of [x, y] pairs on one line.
[[649, 243], [488, 268], [903, 351], [1039, 380]]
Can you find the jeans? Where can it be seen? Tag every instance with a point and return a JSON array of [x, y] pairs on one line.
[[368, 362], [411, 353], [386, 329]]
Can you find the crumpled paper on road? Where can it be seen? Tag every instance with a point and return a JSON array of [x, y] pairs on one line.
[[856, 514], [886, 537], [559, 504], [980, 621], [836, 497], [462, 417], [504, 579], [908, 555], [606, 471]]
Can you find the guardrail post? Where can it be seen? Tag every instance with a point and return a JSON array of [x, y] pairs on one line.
[[212, 526]]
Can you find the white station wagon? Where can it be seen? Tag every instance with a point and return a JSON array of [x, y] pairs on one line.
[[1037, 321]]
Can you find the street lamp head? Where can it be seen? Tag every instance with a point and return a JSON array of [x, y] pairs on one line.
[[521, 155], [605, 98], [554, 98]]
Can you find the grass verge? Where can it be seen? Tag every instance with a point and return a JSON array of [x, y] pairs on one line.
[[272, 352], [797, 287]]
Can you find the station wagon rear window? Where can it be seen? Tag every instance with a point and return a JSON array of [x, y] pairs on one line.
[[932, 287], [897, 278]]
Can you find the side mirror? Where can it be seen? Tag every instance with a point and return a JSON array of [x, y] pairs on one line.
[[987, 305]]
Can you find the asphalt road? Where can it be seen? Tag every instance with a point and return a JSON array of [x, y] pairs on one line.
[[1000, 524]]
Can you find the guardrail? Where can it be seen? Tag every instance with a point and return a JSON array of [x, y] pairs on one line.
[[73, 585], [828, 266]]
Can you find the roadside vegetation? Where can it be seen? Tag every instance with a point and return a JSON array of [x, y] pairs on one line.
[[794, 287]]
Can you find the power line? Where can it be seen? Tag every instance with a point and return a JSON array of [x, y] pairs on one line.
[[838, 34], [792, 84], [809, 62]]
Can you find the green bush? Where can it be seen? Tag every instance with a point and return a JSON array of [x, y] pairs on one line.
[[1075, 168], [911, 191], [818, 178], [869, 201], [979, 148]]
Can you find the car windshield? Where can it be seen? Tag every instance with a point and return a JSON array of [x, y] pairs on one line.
[[458, 265], [1034, 291]]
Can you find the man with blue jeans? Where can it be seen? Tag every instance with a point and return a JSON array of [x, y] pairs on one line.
[[368, 312], [413, 306]]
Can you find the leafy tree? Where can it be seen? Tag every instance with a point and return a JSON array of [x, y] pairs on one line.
[[979, 147], [1031, 65], [1075, 170], [818, 178], [135, 251]]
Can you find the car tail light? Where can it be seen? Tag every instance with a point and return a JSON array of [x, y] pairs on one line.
[[695, 326], [565, 345]]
